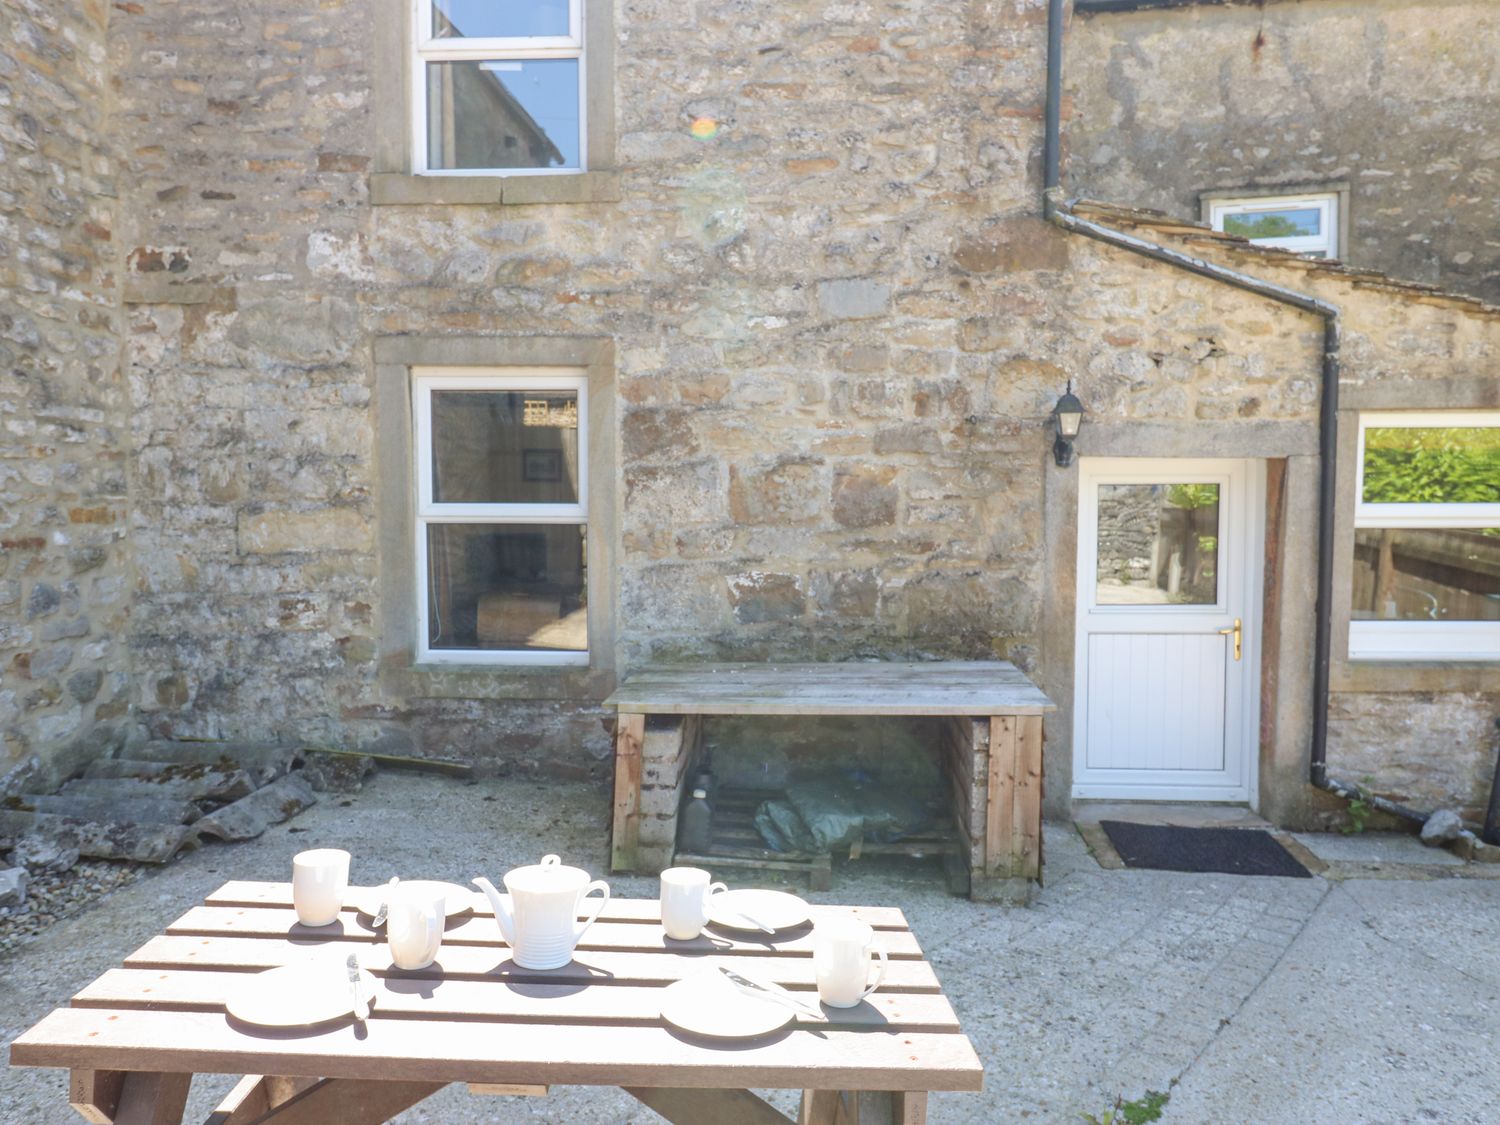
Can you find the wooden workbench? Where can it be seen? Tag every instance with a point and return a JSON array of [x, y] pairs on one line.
[[990, 748]]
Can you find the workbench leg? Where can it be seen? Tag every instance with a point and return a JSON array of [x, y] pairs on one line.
[[625, 833], [700, 1107], [153, 1099]]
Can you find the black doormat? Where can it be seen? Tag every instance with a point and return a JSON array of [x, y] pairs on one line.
[[1229, 851]]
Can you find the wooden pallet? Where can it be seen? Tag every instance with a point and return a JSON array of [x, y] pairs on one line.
[[737, 844]]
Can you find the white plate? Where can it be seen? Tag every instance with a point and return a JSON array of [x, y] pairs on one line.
[[776, 909], [309, 992], [456, 899], [707, 1004]]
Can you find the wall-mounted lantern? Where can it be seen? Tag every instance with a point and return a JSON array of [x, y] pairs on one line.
[[1067, 417]]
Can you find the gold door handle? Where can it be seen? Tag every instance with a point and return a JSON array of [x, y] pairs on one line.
[[1235, 629]]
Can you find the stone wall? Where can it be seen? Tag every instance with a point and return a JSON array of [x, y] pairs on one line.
[[64, 564], [839, 326], [1396, 99]]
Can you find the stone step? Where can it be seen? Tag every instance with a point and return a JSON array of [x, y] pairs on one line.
[[116, 809], [143, 843], [263, 761], [250, 816], [193, 783]]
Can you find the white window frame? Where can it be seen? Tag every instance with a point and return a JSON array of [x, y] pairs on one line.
[[1422, 640], [425, 380], [427, 49], [1326, 203]]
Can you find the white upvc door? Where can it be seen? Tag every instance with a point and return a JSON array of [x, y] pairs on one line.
[[1169, 566]]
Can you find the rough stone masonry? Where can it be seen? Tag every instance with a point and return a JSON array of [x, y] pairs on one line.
[[838, 325]]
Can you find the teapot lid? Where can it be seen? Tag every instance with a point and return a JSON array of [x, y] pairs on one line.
[[551, 874]]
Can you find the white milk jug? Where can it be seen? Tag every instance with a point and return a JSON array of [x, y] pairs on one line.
[[539, 917]]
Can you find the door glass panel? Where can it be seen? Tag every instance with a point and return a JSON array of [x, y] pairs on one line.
[[1158, 544], [507, 586], [505, 447], [1427, 574]]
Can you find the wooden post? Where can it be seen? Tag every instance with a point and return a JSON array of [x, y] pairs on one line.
[[1026, 823], [254, 1096], [630, 732], [1001, 807]]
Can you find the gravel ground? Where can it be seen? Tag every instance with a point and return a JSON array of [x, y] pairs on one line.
[[51, 897], [1251, 999]]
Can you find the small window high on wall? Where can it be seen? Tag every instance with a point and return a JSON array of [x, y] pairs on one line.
[[1304, 224], [1427, 538], [498, 87], [502, 516]]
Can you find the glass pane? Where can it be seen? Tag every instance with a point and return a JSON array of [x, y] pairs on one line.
[[505, 447], [507, 586], [1421, 574], [1158, 544], [1291, 223], [1432, 465], [502, 114], [498, 19]]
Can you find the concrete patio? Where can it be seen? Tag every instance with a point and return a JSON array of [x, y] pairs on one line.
[[1368, 994]]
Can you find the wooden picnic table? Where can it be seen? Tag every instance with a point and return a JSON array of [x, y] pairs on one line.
[[135, 1037]]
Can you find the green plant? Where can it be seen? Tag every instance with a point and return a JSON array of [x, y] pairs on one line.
[[1359, 812], [1146, 1108]]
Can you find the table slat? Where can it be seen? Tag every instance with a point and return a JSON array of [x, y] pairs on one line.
[[252, 921], [432, 1051], [239, 892], [601, 967], [180, 990]]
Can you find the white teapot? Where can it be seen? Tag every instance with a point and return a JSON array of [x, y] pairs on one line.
[[540, 920]]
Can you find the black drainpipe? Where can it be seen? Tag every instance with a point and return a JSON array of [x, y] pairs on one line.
[[1060, 213]]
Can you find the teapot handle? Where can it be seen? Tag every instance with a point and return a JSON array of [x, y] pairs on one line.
[[596, 885]]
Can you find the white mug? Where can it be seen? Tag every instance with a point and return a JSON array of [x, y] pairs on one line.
[[841, 962], [685, 892], [414, 926], [319, 879]]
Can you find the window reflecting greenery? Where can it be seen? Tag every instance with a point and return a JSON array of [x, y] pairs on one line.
[[1274, 224], [1432, 465]]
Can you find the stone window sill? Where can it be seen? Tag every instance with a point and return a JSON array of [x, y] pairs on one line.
[[397, 188], [497, 681]]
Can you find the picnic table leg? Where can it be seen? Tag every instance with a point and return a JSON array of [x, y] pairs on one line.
[[863, 1107], [148, 1098], [349, 1101], [255, 1095], [696, 1106]]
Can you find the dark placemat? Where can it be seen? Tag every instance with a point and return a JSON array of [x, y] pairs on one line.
[[1228, 851]]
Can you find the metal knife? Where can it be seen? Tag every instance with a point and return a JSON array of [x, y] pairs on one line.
[[770, 992], [385, 905], [356, 985]]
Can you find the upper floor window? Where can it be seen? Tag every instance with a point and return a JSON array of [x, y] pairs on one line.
[[1427, 537], [498, 87], [501, 515], [1305, 224]]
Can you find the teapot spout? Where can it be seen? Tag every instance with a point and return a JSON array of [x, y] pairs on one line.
[[501, 907]]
